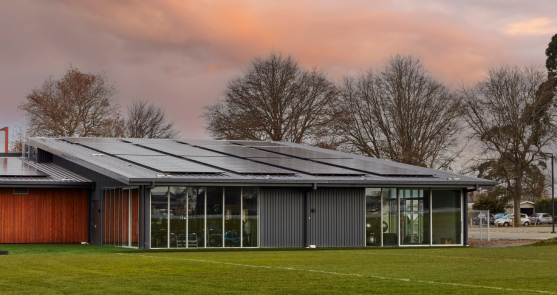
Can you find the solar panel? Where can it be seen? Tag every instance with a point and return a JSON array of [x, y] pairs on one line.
[[375, 168], [201, 142], [148, 140], [181, 149], [244, 152], [14, 167], [121, 149], [242, 166], [93, 140], [308, 167], [255, 143], [303, 153], [169, 164]]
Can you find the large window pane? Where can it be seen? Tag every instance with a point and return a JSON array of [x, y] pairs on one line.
[[373, 217], [446, 220], [106, 200], [250, 217], [232, 216], [214, 216], [414, 217], [390, 217], [126, 218], [196, 217], [178, 214], [159, 217]]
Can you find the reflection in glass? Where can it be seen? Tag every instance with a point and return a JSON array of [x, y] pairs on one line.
[[135, 217], [250, 221], [196, 217], [105, 217], [446, 219], [373, 217], [390, 217], [214, 216], [159, 217], [126, 218], [178, 215], [232, 216], [414, 217]]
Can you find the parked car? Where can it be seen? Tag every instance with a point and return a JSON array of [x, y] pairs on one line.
[[483, 218], [540, 218], [508, 220], [499, 215]]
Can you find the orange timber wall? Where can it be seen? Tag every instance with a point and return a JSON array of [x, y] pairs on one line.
[[45, 215]]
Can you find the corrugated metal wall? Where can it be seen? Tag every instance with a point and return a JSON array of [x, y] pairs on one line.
[[339, 217], [281, 217], [338, 220]]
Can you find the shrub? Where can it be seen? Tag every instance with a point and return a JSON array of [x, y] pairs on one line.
[[544, 206], [494, 204]]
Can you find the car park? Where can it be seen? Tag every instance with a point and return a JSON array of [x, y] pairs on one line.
[[508, 220], [483, 218], [541, 218], [500, 215]]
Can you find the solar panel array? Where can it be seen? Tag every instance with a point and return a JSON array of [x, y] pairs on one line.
[[170, 164], [241, 157], [14, 167]]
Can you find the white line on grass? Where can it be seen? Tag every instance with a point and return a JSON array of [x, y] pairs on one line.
[[441, 256], [344, 274]]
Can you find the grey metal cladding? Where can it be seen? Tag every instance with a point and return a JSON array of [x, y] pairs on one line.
[[281, 217], [338, 220]]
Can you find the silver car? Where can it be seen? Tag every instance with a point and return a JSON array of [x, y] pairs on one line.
[[508, 220], [540, 218]]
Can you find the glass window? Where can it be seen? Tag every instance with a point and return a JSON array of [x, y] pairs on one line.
[[390, 217], [105, 217], [214, 216], [196, 217], [126, 217], [414, 217], [178, 215], [232, 216], [446, 223], [373, 217], [159, 217], [250, 216]]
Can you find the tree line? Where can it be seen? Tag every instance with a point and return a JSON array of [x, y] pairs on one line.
[[402, 113], [85, 105]]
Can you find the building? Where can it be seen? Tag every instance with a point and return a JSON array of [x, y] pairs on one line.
[[153, 193]]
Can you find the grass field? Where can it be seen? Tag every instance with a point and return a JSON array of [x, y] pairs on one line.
[[109, 270]]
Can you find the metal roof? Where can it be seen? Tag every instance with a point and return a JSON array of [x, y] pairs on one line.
[[55, 176], [121, 168]]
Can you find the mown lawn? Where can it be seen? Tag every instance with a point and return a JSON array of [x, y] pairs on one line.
[[109, 270]]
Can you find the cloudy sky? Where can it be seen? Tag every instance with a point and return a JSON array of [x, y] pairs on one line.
[[180, 53]]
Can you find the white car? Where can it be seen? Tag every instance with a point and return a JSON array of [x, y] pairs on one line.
[[508, 220]]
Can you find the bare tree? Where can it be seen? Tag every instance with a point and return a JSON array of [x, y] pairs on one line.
[[276, 100], [145, 120], [78, 104], [512, 114], [402, 114]]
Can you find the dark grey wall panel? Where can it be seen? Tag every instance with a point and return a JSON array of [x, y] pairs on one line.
[[339, 217], [281, 217]]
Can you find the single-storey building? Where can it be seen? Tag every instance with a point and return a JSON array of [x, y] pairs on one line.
[[158, 193]]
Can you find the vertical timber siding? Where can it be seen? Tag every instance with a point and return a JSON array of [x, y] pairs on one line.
[[45, 215], [339, 217], [281, 217]]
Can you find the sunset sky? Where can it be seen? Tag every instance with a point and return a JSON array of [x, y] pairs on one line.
[[180, 54]]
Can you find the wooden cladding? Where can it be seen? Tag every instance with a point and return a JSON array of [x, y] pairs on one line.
[[120, 209], [45, 215]]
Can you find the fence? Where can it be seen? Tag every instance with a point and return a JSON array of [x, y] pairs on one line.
[[481, 220]]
